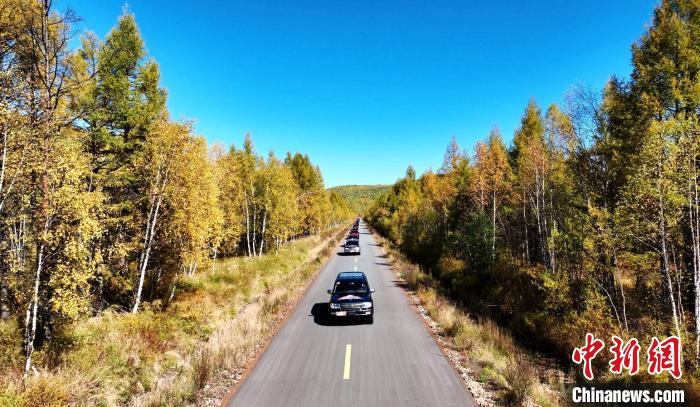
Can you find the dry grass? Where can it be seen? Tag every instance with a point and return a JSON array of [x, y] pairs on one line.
[[490, 352], [163, 357], [521, 378]]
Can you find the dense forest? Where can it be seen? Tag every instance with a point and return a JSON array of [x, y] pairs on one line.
[[105, 200], [589, 221]]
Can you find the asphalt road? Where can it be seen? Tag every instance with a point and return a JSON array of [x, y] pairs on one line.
[[393, 362]]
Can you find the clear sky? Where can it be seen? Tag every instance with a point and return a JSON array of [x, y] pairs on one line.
[[367, 87]]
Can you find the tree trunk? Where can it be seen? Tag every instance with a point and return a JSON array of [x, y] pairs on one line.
[[262, 234], [2, 168], [665, 261], [527, 245], [679, 279], [4, 296], [612, 303], [552, 247], [622, 290], [148, 242], [32, 311], [493, 223], [4, 312], [174, 286], [694, 215], [538, 216], [254, 243], [247, 224]]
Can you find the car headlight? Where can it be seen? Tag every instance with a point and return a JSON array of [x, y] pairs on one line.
[[366, 305], [335, 306]]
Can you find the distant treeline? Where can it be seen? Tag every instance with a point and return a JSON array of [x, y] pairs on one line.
[[104, 199], [590, 220], [360, 197]]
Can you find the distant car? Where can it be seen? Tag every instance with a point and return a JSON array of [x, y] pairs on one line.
[[352, 246], [351, 297], [354, 233]]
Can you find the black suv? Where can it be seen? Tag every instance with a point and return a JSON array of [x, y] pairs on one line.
[[351, 297]]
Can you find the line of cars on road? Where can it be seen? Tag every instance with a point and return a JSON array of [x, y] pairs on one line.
[[351, 295], [352, 241]]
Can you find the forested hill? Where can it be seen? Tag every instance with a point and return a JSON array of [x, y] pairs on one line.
[[360, 197]]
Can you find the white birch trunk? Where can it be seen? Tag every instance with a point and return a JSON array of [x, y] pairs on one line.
[[32, 311], [695, 234], [262, 234], [622, 290], [664, 252], [247, 224], [254, 242], [148, 240], [493, 222], [527, 245]]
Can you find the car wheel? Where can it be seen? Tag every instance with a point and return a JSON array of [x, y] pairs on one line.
[[370, 319]]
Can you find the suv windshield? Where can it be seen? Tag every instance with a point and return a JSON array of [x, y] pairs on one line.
[[351, 243], [351, 287]]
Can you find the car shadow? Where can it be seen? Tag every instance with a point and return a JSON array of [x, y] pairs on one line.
[[320, 313], [402, 284]]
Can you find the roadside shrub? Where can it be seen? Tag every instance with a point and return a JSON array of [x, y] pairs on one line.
[[466, 336], [202, 363], [47, 391], [521, 378], [448, 317]]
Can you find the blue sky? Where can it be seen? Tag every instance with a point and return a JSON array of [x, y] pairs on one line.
[[367, 87]]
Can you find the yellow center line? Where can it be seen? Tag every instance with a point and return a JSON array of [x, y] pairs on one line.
[[346, 369]]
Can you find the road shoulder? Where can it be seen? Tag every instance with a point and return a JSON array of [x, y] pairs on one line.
[[485, 391], [225, 383]]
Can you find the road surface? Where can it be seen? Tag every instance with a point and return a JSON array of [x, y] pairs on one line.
[[393, 362]]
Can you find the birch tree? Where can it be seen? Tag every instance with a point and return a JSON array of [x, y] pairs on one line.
[[651, 208], [165, 150], [493, 177]]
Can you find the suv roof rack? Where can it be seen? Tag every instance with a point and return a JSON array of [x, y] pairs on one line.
[[351, 275]]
